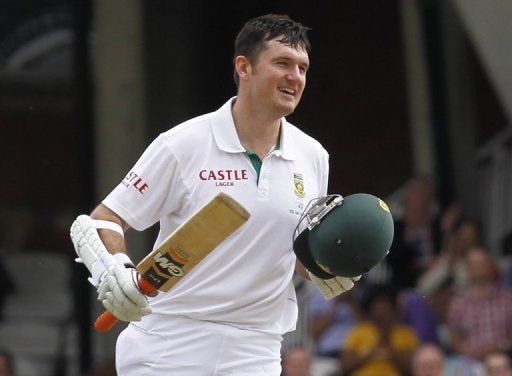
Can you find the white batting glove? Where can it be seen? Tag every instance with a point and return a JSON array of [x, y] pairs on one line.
[[119, 293], [90, 248], [335, 286]]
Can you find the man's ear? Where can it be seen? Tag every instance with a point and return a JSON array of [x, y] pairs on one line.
[[243, 67]]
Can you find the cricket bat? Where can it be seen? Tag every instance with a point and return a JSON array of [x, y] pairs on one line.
[[188, 245]]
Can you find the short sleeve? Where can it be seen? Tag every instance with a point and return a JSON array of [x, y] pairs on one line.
[[151, 190]]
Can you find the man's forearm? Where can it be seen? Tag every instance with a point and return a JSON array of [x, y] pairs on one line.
[[301, 270], [113, 241]]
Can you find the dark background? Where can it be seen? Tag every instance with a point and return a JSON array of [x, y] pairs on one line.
[[355, 102]]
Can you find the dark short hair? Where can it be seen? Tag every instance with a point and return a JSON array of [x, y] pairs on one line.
[[374, 293], [255, 34]]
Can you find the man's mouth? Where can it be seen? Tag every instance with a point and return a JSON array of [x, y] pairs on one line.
[[286, 90]]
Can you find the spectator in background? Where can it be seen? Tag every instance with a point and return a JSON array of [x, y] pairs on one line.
[[417, 236], [380, 345], [296, 362], [497, 363], [428, 360], [449, 268], [460, 365], [448, 272], [6, 363], [479, 318], [418, 313], [331, 320]]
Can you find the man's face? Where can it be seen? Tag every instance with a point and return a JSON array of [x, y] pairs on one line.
[[382, 310], [278, 77], [479, 266], [428, 362], [296, 363], [498, 365]]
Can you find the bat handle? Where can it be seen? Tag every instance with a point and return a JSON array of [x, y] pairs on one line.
[[107, 320]]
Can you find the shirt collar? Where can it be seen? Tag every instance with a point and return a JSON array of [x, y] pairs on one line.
[[224, 130], [286, 144], [227, 140]]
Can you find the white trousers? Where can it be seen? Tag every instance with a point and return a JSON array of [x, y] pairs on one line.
[[197, 348]]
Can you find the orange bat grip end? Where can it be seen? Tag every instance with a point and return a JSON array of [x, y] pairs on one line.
[[107, 320]]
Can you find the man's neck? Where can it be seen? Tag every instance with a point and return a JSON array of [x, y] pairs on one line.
[[258, 131]]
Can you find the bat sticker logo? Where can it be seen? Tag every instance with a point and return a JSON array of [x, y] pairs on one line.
[[167, 265]]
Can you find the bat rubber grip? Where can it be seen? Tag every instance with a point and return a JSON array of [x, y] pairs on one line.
[[107, 320]]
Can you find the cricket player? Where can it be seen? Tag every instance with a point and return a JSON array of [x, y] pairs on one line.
[[228, 315]]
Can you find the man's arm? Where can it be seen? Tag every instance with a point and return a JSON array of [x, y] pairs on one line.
[[113, 241], [330, 287], [301, 270], [99, 243]]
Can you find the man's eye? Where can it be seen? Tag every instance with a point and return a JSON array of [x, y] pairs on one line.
[[282, 63]]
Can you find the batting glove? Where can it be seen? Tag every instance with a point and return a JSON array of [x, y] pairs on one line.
[[120, 294], [335, 286]]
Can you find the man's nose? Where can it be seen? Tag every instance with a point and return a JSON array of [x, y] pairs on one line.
[[294, 74]]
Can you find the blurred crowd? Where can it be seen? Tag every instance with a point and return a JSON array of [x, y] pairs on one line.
[[439, 304]]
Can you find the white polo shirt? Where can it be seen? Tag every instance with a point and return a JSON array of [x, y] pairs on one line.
[[246, 281]]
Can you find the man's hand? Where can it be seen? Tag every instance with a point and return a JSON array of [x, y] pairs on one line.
[[334, 286], [112, 274], [119, 293]]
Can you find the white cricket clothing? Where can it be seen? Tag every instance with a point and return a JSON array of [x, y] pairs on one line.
[[246, 282], [197, 348]]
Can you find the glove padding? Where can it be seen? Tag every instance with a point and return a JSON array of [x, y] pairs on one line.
[[120, 294], [335, 286], [90, 248]]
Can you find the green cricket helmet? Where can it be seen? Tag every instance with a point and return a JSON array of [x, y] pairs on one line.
[[345, 237]]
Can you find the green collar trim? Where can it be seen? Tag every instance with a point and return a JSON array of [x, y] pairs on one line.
[[256, 163], [255, 159]]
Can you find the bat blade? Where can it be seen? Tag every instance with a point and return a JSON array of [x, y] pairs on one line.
[[188, 245]]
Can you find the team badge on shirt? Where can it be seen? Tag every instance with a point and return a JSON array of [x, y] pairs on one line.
[[298, 183]]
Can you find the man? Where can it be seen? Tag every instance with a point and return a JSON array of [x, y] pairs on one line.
[[228, 315], [428, 360], [297, 362], [478, 317], [380, 344], [497, 363], [417, 238]]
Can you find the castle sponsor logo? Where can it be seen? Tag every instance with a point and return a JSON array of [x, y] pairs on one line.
[[223, 177], [135, 181]]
